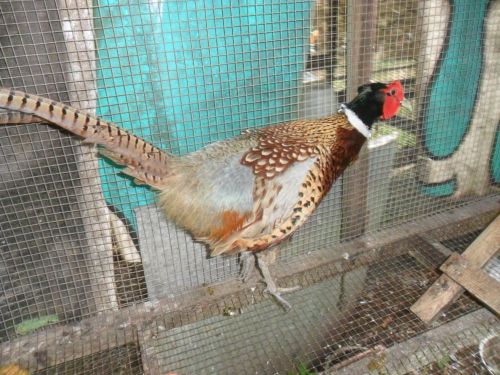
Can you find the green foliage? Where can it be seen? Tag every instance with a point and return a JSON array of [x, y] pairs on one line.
[[405, 139], [303, 370], [28, 326], [444, 362]]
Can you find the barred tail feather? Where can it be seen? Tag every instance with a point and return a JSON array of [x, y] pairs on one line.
[[145, 162], [11, 117]]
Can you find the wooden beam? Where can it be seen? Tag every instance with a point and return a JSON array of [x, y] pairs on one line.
[[445, 291], [361, 38], [474, 280], [485, 245]]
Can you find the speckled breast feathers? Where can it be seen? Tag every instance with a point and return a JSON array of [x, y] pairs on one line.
[[294, 166]]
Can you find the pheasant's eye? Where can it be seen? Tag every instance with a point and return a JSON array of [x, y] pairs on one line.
[[391, 93]]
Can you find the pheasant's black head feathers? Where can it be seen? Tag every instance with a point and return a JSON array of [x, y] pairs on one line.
[[377, 100]]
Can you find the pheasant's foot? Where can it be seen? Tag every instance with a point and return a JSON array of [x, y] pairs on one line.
[[271, 287], [247, 264], [276, 293]]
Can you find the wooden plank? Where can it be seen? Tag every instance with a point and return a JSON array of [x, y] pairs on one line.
[[149, 357], [474, 280], [361, 37], [445, 291], [485, 246]]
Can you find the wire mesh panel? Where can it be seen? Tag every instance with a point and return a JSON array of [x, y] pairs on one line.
[[96, 279]]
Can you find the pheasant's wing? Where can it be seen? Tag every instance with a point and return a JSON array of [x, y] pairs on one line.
[[209, 192], [281, 204]]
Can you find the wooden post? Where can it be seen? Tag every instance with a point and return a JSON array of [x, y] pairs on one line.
[[361, 32], [444, 291]]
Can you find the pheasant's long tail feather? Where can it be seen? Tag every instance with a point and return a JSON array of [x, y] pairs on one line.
[[145, 162], [15, 117]]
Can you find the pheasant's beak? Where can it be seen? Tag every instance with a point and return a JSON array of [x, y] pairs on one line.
[[406, 104]]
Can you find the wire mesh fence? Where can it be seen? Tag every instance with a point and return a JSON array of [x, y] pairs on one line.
[[96, 280]]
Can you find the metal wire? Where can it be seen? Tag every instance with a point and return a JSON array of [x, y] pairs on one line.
[[95, 280]]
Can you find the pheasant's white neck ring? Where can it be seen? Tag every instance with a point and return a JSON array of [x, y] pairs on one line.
[[355, 121]]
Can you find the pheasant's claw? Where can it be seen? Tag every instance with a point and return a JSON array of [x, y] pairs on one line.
[[247, 264], [277, 295], [271, 287]]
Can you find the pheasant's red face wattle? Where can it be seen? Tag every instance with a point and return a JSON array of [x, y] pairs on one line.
[[394, 96]]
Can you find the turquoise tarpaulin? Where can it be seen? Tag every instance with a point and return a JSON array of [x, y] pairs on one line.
[[187, 73]]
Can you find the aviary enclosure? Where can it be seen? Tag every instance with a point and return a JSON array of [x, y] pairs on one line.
[[95, 280]]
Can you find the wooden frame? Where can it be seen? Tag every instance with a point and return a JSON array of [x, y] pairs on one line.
[[464, 272]]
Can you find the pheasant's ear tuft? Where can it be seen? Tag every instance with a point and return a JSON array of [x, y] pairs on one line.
[[364, 87]]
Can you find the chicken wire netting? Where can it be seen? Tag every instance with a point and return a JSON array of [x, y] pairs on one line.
[[95, 280]]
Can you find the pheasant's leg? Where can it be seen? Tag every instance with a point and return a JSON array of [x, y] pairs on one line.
[[247, 264], [264, 259]]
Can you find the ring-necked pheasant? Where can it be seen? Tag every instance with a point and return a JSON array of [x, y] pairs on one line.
[[242, 195]]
